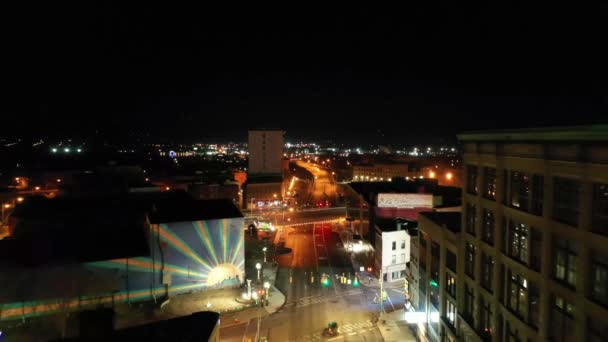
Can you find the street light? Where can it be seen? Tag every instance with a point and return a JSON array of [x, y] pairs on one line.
[[264, 250], [249, 288], [267, 288], [258, 267]]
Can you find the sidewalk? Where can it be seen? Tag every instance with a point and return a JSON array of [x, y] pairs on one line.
[[394, 328]]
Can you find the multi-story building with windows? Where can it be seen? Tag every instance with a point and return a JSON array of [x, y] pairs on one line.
[[392, 245], [535, 235], [434, 272]]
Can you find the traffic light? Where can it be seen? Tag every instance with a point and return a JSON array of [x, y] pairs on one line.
[[356, 280], [325, 280], [433, 283]]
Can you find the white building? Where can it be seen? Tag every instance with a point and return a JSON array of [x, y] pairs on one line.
[[265, 152], [392, 248]]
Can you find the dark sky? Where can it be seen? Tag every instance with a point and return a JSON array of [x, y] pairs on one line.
[[353, 73]]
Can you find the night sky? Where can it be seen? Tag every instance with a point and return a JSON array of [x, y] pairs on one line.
[[419, 72]]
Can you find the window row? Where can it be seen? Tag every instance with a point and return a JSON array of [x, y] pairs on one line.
[[525, 191]]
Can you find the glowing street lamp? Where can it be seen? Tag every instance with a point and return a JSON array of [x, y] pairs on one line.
[[449, 176], [19, 199], [264, 250], [267, 288], [258, 267]]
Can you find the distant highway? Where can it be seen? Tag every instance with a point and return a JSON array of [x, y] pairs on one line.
[[325, 187]]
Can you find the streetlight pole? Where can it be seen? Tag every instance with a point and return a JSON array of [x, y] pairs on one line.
[[381, 293], [249, 289], [258, 267], [264, 250]]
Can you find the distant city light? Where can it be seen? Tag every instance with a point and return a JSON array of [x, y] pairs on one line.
[[19, 199], [54, 150], [432, 174], [37, 188], [58, 180], [448, 176], [78, 150], [66, 150]]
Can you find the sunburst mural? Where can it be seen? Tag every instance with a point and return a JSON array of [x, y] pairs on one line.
[[184, 257], [201, 254]]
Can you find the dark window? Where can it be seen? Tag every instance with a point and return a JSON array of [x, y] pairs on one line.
[[561, 327], [598, 331], [521, 184], [472, 179], [450, 286], [517, 295], [471, 217], [538, 186], [394, 245], [450, 260], [487, 271], [488, 227], [422, 283], [565, 261], [599, 211], [506, 187], [566, 200], [485, 320], [434, 278], [402, 244], [534, 316], [469, 301], [599, 278], [536, 249], [512, 335], [526, 192], [422, 259], [470, 260], [517, 241], [489, 183]]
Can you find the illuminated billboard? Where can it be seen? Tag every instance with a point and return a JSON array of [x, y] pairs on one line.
[[405, 200]]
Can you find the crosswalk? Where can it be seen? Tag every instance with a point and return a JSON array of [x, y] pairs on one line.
[[350, 329], [321, 299]]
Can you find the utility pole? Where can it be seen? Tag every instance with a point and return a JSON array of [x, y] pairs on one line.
[[381, 291]]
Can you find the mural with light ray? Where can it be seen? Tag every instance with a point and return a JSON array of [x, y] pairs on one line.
[[184, 257]]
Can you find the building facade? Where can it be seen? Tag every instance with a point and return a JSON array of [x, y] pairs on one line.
[[392, 248], [433, 275], [382, 172], [535, 231], [266, 152], [153, 256]]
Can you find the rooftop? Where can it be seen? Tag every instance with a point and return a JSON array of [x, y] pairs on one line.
[[64, 230], [567, 133], [451, 196], [391, 224], [448, 220], [197, 327]]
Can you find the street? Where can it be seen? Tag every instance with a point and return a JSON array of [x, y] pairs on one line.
[[324, 186], [310, 304]]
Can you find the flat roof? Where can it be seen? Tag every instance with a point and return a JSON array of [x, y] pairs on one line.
[[566, 133], [448, 220], [390, 224], [75, 230], [451, 196], [196, 327]]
